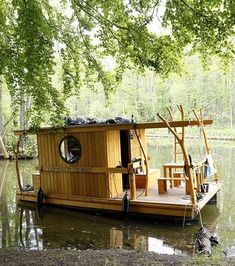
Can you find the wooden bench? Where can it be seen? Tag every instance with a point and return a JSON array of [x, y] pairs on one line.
[[168, 169], [177, 174], [162, 183], [176, 180]]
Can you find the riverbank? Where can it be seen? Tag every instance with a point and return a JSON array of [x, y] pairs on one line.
[[16, 256], [220, 134], [223, 138]]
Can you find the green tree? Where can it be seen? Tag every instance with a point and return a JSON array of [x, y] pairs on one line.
[[81, 33]]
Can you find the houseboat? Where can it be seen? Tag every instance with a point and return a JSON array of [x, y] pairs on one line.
[[105, 167]]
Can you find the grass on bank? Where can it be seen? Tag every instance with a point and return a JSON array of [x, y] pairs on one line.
[[216, 257]]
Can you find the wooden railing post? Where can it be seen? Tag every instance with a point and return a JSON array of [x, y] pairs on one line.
[[132, 183], [200, 121], [145, 162], [208, 150]]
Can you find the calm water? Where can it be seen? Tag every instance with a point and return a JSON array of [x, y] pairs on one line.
[[61, 228]]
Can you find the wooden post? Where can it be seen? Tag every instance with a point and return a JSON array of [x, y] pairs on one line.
[[200, 121], [184, 151], [146, 164], [175, 143], [171, 116], [208, 150], [132, 183]]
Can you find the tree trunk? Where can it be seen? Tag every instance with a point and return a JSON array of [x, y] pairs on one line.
[[22, 112], [233, 98], [3, 149], [2, 146], [24, 106], [1, 110]]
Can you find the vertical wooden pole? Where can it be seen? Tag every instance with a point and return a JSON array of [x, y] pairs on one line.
[[200, 121], [175, 144], [146, 163], [132, 182], [208, 150]]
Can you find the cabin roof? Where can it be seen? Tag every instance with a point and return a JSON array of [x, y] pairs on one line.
[[107, 127]]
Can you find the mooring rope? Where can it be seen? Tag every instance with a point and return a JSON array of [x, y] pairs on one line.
[[200, 216], [199, 212], [185, 214]]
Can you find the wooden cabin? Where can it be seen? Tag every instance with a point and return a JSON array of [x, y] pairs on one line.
[[93, 166]]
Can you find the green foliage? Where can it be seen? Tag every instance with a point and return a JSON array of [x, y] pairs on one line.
[[28, 149], [214, 259], [144, 95], [31, 60], [34, 34]]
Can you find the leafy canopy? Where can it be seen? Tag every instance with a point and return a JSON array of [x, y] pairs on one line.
[[80, 34]]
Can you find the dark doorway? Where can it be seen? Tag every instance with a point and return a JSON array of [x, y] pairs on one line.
[[125, 154]]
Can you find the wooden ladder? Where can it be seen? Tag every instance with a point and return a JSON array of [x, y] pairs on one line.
[[177, 151], [181, 140]]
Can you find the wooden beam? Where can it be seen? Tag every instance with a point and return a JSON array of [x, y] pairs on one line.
[[105, 127], [120, 170], [132, 182], [113, 204]]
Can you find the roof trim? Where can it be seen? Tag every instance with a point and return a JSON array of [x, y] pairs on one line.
[[107, 127]]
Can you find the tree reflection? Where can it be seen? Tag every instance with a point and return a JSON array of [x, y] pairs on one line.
[[28, 233], [6, 234], [17, 224]]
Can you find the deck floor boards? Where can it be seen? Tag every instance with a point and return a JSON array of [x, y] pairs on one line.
[[176, 195]]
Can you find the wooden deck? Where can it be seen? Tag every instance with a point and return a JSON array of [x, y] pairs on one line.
[[172, 203]]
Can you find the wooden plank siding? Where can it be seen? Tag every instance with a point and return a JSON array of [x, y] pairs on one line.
[[99, 149], [114, 158]]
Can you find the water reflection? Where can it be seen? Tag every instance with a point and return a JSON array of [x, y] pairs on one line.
[[5, 223], [61, 228], [10, 221], [224, 156]]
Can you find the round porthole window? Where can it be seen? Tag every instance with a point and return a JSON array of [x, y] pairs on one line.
[[70, 149]]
